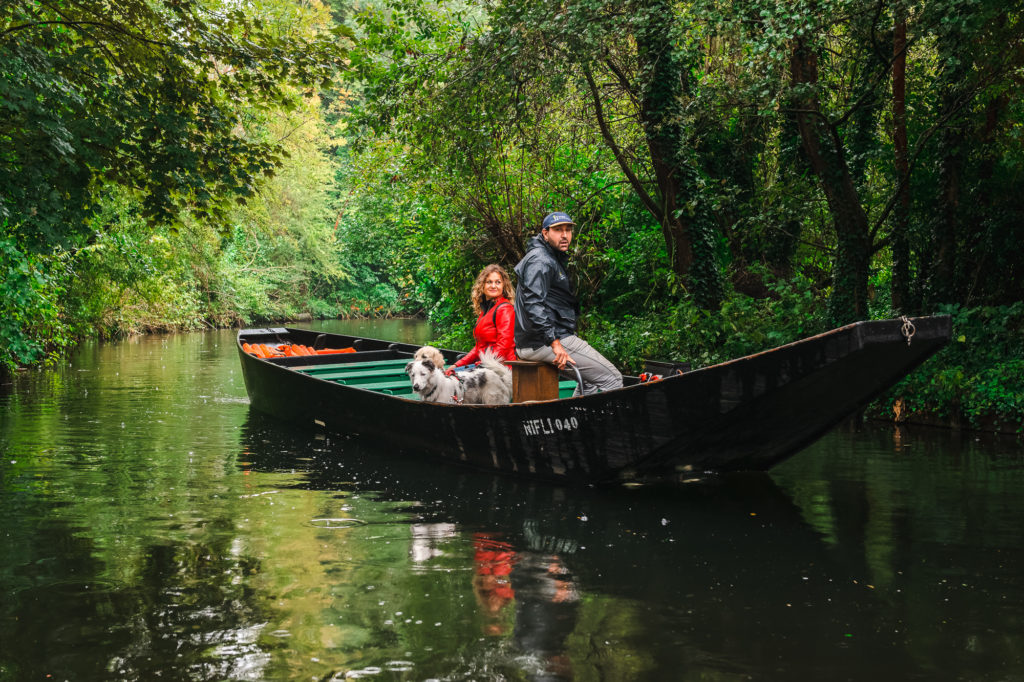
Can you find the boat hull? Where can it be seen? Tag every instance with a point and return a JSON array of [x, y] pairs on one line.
[[745, 414]]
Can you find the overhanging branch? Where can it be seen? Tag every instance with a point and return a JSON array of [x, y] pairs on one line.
[[620, 157]]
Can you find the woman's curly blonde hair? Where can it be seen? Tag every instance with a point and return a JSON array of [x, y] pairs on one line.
[[477, 296]]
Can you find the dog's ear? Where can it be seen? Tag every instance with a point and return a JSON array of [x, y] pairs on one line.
[[408, 367], [428, 364]]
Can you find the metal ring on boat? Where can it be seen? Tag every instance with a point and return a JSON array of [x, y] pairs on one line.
[[908, 328]]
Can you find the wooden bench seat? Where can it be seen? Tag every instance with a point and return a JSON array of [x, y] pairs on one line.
[[534, 381]]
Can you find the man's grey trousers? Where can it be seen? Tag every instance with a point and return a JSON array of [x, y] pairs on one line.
[[597, 373]]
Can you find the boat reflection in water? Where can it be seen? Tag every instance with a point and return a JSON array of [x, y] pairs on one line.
[[716, 578], [528, 591]]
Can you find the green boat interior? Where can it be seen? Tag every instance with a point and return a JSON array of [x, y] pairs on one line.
[[374, 370]]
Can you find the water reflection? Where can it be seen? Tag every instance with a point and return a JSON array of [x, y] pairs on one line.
[[728, 577], [673, 577], [156, 528], [492, 583], [932, 522], [528, 594], [546, 609]]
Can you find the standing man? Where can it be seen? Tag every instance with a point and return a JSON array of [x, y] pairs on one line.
[[546, 309]]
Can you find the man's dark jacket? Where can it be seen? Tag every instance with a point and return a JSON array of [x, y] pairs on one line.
[[545, 302]]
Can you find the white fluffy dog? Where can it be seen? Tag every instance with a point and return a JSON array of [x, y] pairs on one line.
[[429, 353], [490, 383]]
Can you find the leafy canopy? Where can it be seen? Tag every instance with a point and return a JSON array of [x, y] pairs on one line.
[[148, 95]]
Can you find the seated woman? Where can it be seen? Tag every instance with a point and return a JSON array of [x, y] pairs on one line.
[[492, 297]]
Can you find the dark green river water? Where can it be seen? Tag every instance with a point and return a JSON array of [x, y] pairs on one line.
[[156, 529]]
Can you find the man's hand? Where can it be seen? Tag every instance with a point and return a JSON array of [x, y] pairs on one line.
[[561, 354], [450, 371]]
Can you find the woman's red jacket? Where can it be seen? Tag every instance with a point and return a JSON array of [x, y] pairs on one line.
[[495, 329]]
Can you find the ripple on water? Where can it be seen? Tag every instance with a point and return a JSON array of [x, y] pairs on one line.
[[232, 400], [84, 587], [335, 523]]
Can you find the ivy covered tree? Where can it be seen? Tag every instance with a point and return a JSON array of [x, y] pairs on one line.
[[835, 67]]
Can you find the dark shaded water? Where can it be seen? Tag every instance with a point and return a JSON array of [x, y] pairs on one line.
[[154, 528]]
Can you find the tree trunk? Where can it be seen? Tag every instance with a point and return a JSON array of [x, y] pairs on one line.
[[673, 224], [953, 142], [900, 244], [688, 226], [823, 146]]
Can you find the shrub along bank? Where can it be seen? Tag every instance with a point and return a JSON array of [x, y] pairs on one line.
[[977, 381]]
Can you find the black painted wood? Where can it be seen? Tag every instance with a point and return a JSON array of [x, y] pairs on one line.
[[746, 414]]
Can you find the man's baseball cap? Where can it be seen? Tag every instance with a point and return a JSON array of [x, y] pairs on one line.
[[556, 218]]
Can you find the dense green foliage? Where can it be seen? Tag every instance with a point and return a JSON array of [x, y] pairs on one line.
[[138, 147], [743, 172], [976, 381]]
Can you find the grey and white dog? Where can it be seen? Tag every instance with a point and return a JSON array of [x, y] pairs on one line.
[[490, 383]]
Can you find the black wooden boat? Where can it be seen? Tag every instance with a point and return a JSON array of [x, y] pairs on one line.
[[747, 413]]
